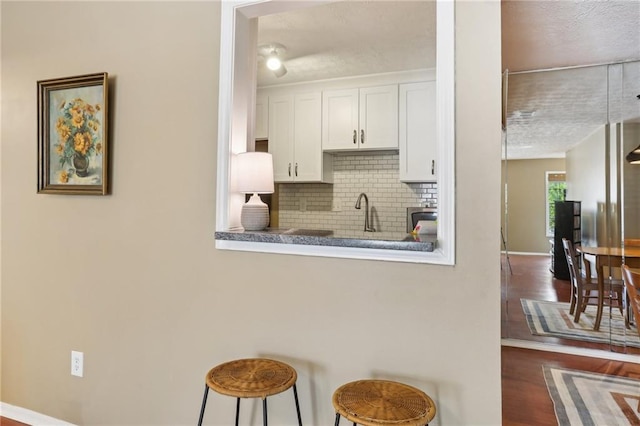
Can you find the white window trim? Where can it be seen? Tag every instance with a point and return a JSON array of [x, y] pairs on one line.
[[237, 36]]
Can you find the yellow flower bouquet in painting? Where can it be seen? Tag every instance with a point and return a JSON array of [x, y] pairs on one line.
[[78, 137]]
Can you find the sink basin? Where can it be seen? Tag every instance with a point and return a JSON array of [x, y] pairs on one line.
[[309, 232]]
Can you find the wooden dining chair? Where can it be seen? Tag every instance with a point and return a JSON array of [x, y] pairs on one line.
[[630, 242], [571, 260], [585, 288], [632, 284]]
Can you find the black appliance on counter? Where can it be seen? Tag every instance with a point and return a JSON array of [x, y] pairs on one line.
[[415, 214]]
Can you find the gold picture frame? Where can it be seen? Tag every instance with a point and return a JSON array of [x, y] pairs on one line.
[[73, 144]]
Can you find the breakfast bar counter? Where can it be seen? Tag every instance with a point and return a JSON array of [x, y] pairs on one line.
[[313, 237]]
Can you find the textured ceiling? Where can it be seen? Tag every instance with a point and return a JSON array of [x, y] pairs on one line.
[[347, 38], [550, 34], [548, 112]]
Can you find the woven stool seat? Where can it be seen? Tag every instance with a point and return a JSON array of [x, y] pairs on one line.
[[383, 402], [251, 378]]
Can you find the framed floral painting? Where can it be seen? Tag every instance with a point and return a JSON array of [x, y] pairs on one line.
[[73, 154]]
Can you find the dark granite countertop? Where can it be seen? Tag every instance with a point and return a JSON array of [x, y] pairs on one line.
[[315, 237]]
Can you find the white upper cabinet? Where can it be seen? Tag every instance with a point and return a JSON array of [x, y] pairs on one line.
[[340, 119], [417, 141], [261, 131], [281, 136], [379, 117], [295, 138], [307, 123], [360, 119]]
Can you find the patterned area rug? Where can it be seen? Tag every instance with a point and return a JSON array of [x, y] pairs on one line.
[[581, 398], [553, 319]]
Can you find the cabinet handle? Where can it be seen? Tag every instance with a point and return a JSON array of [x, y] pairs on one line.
[[296, 169], [289, 169], [362, 137], [355, 136], [433, 167]]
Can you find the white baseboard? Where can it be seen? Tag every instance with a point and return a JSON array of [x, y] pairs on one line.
[[29, 417], [526, 253], [570, 350]]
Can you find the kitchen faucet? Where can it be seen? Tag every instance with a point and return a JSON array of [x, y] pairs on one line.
[[367, 228]]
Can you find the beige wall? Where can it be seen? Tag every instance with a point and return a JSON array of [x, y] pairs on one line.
[[586, 182], [586, 171], [133, 279], [525, 229]]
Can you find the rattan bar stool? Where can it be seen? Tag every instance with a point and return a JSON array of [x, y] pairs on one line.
[[383, 402], [251, 378]]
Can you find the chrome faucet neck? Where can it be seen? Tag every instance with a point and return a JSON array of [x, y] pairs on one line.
[[367, 228], [366, 200]]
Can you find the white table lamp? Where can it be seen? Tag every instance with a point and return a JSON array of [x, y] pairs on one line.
[[255, 176]]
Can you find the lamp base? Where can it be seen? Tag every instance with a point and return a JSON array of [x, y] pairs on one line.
[[255, 214]]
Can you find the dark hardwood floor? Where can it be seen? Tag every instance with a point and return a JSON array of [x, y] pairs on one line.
[[531, 279], [525, 399], [8, 422]]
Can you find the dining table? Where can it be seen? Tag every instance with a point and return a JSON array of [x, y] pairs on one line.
[[611, 257]]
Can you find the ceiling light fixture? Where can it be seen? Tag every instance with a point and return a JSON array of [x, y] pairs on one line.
[[271, 53], [280, 71], [634, 156], [273, 62]]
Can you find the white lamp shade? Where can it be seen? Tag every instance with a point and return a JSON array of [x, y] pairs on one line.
[[254, 173]]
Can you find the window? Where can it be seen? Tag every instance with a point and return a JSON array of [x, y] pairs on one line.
[[556, 190], [238, 50]]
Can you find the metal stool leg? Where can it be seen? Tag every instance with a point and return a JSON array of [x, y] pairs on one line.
[[237, 411], [295, 395], [204, 402], [337, 419], [264, 411]]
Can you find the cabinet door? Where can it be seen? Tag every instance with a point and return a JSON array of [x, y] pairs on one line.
[[262, 118], [281, 137], [379, 117], [307, 137], [340, 119], [417, 131]]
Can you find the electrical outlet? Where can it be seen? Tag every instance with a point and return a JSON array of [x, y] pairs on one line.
[[77, 363], [336, 206], [303, 205]]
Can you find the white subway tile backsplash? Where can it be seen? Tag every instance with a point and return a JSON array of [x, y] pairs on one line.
[[374, 174]]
